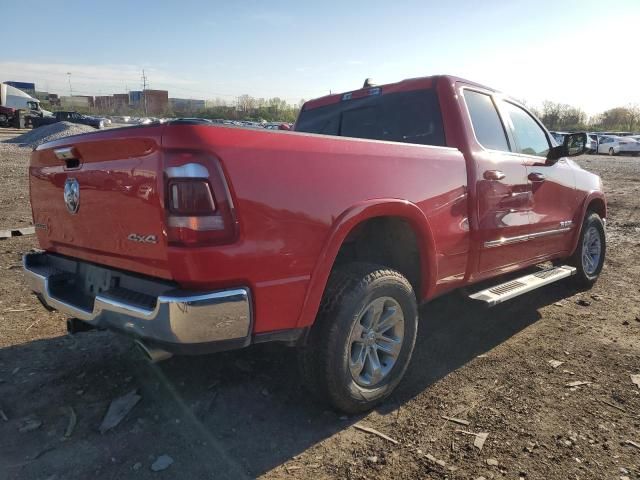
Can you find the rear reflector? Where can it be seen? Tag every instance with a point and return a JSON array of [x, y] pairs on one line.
[[203, 223]]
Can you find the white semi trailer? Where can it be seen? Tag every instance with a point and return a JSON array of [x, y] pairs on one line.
[[13, 99]]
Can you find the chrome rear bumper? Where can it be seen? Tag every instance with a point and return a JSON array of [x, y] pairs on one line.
[[146, 308]]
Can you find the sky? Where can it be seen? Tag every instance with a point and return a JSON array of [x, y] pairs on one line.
[[580, 52]]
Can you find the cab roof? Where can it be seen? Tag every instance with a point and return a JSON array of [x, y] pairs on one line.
[[406, 85]]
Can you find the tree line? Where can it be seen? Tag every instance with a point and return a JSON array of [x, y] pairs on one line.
[[560, 116], [247, 107]]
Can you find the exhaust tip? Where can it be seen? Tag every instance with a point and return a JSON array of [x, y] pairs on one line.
[[153, 355]]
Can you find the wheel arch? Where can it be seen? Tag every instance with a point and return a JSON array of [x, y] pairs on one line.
[[347, 223], [595, 201]]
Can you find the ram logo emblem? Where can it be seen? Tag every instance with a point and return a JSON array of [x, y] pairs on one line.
[[72, 195]]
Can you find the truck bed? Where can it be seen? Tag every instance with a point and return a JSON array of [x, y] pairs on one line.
[[289, 192]]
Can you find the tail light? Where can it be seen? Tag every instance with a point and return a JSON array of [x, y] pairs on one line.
[[198, 204]]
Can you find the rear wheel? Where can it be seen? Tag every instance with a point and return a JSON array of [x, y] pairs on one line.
[[590, 252], [360, 346]]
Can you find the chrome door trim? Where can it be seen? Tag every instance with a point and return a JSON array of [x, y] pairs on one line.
[[524, 238]]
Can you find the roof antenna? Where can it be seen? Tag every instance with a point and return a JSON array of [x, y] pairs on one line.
[[368, 83]]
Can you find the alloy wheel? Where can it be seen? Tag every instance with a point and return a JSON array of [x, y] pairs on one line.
[[591, 250], [375, 341]]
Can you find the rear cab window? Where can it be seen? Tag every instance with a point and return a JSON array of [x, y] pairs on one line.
[[408, 117], [486, 123]]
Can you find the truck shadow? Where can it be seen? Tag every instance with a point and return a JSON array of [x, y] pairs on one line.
[[238, 414]]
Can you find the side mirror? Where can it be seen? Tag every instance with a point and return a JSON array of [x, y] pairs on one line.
[[284, 126], [574, 144]]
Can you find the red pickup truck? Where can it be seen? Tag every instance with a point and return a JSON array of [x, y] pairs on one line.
[[193, 238]]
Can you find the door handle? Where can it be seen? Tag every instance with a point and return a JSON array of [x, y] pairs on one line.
[[493, 175], [536, 177]]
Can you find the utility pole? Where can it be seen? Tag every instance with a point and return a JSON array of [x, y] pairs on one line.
[[69, 78], [144, 89]]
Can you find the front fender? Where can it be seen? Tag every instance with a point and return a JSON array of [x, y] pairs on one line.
[[601, 210], [341, 228]]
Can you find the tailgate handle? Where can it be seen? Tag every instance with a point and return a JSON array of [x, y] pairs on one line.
[[69, 155]]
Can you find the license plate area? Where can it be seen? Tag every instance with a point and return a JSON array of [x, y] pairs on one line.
[[78, 283], [94, 280]]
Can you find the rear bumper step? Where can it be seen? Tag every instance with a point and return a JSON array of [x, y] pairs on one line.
[[513, 288], [155, 311]]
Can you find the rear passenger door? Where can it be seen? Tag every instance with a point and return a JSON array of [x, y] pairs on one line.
[[552, 186], [503, 192]]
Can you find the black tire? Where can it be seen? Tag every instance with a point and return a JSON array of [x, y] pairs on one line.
[[324, 359], [585, 275]]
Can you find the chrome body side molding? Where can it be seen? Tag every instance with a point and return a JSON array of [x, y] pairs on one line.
[[524, 238]]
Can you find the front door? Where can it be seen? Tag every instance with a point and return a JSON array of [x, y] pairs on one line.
[[552, 186]]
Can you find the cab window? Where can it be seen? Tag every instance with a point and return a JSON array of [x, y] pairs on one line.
[[529, 136], [486, 122], [408, 117]]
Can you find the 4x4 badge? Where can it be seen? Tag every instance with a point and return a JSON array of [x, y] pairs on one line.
[[134, 237]]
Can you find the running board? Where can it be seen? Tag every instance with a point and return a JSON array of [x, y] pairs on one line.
[[508, 290]]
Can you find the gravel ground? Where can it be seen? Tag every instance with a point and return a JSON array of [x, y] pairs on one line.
[[15, 210], [243, 414], [47, 133], [15, 148]]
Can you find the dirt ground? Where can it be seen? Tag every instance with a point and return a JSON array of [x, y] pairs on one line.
[[243, 414]]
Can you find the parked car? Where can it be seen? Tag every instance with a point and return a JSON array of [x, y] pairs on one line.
[[73, 117], [618, 145], [558, 136], [121, 119], [191, 121], [326, 238], [592, 143]]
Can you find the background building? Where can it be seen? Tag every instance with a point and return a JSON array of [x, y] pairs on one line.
[[116, 103], [156, 102], [120, 101], [77, 101], [51, 98], [103, 102], [186, 105], [135, 98]]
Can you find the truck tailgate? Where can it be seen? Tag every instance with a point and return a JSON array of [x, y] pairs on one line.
[[99, 197]]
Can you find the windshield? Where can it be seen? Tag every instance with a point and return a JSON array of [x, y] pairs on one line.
[[410, 117]]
